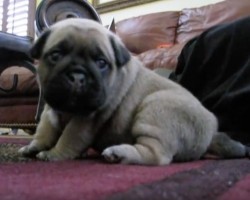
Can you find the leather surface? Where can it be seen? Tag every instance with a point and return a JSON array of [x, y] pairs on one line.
[[194, 21], [143, 35], [26, 86], [149, 31]]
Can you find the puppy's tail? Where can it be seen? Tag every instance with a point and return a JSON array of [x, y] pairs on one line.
[[225, 147]]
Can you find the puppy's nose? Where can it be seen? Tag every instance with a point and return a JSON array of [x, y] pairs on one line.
[[76, 78]]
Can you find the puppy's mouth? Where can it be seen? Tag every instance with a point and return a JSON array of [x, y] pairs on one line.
[[74, 93]]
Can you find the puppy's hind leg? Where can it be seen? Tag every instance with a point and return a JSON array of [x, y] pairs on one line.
[[148, 151], [225, 147]]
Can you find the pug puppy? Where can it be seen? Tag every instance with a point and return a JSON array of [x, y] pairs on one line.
[[110, 102]]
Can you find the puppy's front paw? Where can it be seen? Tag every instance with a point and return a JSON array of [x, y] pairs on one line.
[[55, 155], [28, 151], [50, 155]]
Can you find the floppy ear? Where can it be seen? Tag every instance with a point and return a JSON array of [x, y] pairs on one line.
[[122, 55], [37, 48]]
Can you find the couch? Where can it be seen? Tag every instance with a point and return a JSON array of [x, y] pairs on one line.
[[156, 39]]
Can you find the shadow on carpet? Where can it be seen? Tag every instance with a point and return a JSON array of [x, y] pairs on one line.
[[90, 179]]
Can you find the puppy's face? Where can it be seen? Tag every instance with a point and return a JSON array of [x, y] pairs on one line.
[[77, 58]]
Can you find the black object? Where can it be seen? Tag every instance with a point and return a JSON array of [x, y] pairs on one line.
[[51, 11], [215, 67]]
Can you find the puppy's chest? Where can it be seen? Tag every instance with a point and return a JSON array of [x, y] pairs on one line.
[[115, 131]]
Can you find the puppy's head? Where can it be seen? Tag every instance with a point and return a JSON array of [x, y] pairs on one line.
[[77, 58]]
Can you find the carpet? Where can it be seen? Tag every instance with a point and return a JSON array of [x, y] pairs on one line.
[[94, 179]]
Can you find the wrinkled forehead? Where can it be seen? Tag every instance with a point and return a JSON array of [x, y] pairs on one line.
[[82, 37]]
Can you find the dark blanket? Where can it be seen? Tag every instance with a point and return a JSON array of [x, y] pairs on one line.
[[215, 67], [94, 179]]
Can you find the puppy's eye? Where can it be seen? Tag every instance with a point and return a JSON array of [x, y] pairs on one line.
[[55, 56], [101, 64]]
